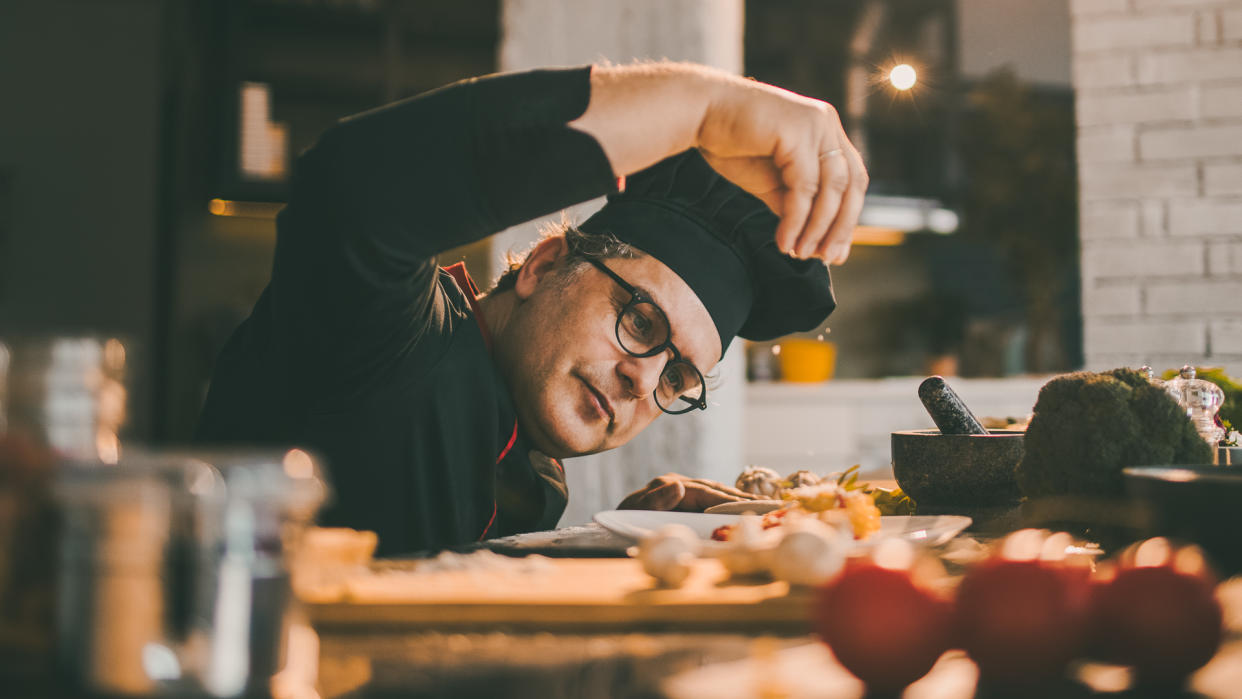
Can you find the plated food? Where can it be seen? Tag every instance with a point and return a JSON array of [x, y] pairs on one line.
[[841, 501], [766, 483], [829, 503], [802, 551]]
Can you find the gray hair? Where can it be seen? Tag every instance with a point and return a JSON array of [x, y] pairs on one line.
[[583, 246]]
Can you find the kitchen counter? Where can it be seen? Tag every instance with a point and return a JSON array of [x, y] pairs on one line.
[[504, 662], [671, 665]]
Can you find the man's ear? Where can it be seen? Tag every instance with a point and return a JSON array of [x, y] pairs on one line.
[[539, 264]]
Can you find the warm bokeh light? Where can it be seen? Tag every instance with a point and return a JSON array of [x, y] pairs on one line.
[[244, 209], [1189, 561], [894, 554], [298, 464], [1023, 545], [220, 207], [1056, 547], [114, 355], [903, 76], [204, 479], [108, 447], [878, 235], [1152, 553]]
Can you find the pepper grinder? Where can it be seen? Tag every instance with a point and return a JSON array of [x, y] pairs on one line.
[[1201, 400]]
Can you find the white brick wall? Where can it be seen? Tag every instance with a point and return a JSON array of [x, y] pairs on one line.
[[1161, 104], [1222, 178], [1195, 65], [1130, 31], [1109, 220], [1205, 218], [1224, 259], [1231, 25], [1158, 88], [1108, 144], [1193, 298], [1155, 217], [1222, 101], [1226, 336], [1166, 336], [1190, 142], [1121, 300], [1104, 71], [1130, 181], [1166, 5], [1155, 259], [1086, 8]]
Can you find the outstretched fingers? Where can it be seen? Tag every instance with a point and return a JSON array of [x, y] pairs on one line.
[[702, 494], [663, 493], [834, 248], [834, 180], [725, 489], [800, 178]]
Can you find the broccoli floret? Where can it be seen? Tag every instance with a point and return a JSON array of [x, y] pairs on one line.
[[1086, 427]]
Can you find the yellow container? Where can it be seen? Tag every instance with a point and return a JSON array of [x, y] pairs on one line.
[[807, 361]]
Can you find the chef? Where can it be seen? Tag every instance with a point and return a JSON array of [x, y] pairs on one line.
[[443, 412]]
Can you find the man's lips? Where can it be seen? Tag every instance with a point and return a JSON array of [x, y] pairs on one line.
[[601, 401]]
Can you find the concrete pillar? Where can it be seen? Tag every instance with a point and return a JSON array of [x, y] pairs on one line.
[[573, 32]]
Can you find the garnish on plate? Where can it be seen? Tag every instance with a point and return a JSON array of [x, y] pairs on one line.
[[842, 502]]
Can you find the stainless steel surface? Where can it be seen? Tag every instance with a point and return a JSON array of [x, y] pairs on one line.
[[174, 571], [60, 397], [112, 603]]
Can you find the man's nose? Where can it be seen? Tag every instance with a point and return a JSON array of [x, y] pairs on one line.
[[641, 375]]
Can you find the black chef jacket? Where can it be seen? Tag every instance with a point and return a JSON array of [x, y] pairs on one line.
[[362, 349]]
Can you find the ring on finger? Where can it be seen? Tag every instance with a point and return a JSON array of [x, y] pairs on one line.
[[829, 154]]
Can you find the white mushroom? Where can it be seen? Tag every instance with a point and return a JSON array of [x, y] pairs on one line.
[[810, 553], [746, 551], [668, 553]]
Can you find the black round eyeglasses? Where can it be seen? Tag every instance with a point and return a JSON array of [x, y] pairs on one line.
[[643, 331]]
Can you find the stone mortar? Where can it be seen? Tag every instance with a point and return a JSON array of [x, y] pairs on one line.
[[945, 471]]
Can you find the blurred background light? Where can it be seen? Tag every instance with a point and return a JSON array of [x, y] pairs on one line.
[[902, 76]]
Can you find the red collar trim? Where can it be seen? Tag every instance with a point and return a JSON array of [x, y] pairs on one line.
[[466, 284], [471, 292]]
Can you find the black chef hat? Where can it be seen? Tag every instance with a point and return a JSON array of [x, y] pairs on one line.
[[720, 240]]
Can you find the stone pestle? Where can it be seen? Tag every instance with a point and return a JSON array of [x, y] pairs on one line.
[[946, 409]]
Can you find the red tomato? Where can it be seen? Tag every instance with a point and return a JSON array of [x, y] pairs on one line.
[[1022, 621], [1157, 612], [882, 625]]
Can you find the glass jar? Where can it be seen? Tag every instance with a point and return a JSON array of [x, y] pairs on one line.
[[1201, 400], [174, 576]]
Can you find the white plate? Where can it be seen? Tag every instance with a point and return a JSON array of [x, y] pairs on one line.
[[754, 507], [635, 524]]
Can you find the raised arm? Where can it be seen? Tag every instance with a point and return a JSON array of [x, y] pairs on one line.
[[381, 194], [788, 150]]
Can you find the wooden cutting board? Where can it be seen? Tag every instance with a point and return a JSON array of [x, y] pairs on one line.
[[565, 594]]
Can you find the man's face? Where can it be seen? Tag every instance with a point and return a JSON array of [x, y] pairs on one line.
[[576, 390]]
